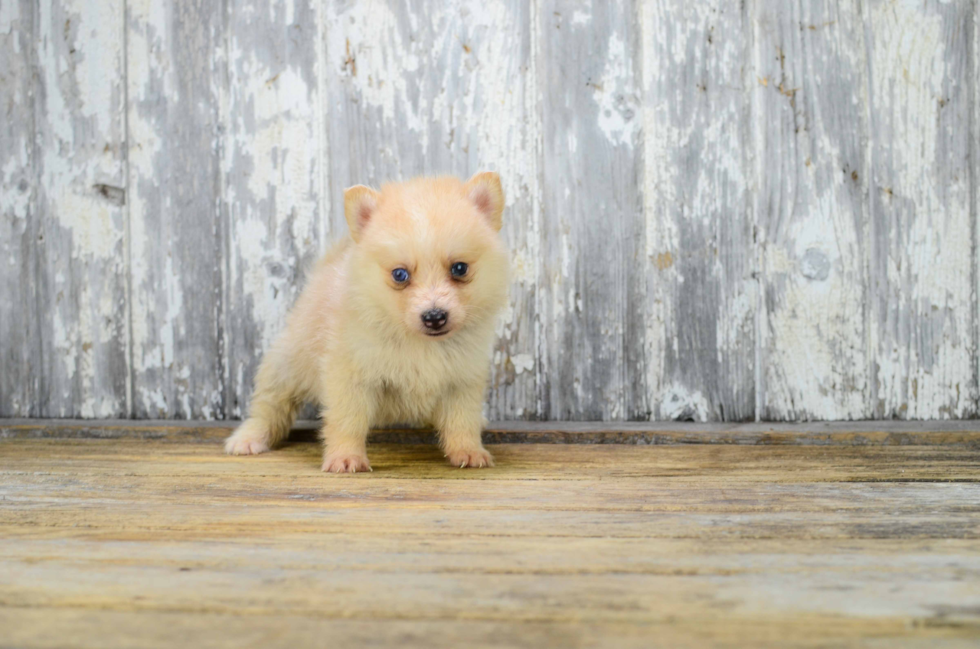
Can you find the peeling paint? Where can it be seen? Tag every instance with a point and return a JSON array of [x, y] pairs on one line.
[[681, 404], [19, 333], [172, 119], [715, 211], [79, 127], [522, 363], [814, 256], [271, 161], [701, 295], [923, 309], [614, 94], [365, 42]]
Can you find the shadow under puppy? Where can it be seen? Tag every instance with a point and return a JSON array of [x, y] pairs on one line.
[[395, 325]]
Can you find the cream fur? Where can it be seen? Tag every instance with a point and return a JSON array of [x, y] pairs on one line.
[[355, 342]]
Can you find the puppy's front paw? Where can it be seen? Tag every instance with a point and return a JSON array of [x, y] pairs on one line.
[[342, 462], [249, 439], [476, 458]]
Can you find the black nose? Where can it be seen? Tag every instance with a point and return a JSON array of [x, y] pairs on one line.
[[435, 318]]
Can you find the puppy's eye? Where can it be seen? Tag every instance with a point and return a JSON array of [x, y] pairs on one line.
[[459, 269], [400, 275]]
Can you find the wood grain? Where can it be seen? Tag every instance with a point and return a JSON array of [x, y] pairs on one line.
[[175, 86], [701, 327], [716, 211], [155, 629], [273, 177], [975, 199], [79, 141], [590, 93], [810, 98], [141, 542], [921, 210], [19, 338]]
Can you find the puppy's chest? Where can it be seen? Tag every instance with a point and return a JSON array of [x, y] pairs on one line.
[[410, 372]]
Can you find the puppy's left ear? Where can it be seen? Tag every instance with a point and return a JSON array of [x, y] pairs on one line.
[[485, 191], [360, 202]]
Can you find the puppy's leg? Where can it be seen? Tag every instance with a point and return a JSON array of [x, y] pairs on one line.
[[273, 408], [347, 419], [459, 419]]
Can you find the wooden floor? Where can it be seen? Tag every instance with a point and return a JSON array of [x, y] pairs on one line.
[[138, 542]]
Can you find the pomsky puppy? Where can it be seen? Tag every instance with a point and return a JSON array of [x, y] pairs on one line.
[[395, 325]]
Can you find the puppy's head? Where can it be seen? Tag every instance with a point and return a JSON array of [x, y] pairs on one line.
[[428, 260]]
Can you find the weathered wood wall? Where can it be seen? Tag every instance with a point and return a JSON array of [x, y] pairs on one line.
[[717, 210]]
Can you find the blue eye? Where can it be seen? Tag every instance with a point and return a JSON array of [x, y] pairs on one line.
[[400, 275], [459, 269]]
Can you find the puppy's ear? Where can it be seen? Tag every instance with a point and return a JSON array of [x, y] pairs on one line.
[[486, 193], [360, 202]]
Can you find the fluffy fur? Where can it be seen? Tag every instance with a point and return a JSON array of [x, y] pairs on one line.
[[356, 343]]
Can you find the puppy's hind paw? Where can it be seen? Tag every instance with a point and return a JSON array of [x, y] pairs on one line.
[[476, 458], [346, 463], [248, 439]]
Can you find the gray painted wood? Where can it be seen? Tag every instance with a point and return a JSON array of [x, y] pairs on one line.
[[810, 111], [590, 193], [717, 211], [975, 198], [699, 247], [19, 340], [175, 84], [274, 182], [79, 136], [922, 275]]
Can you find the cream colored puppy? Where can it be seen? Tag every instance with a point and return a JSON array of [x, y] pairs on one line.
[[394, 326]]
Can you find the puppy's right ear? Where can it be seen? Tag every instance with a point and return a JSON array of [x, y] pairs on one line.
[[485, 191], [360, 202]]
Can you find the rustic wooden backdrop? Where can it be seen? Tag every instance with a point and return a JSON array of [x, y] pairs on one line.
[[717, 210]]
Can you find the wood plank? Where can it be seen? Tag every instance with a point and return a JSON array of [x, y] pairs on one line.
[[50, 627], [307, 589], [146, 542], [535, 461], [200, 524], [975, 199], [700, 251], [810, 112], [763, 511], [274, 177], [19, 340], [174, 83], [81, 180], [923, 293], [446, 89], [592, 233], [955, 434], [665, 557]]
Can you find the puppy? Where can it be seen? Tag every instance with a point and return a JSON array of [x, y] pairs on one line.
[[395, 325]]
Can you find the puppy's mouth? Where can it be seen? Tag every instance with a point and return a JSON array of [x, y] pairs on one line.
[[436, 334]]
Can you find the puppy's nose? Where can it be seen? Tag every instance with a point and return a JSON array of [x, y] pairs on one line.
[[435, 319]]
